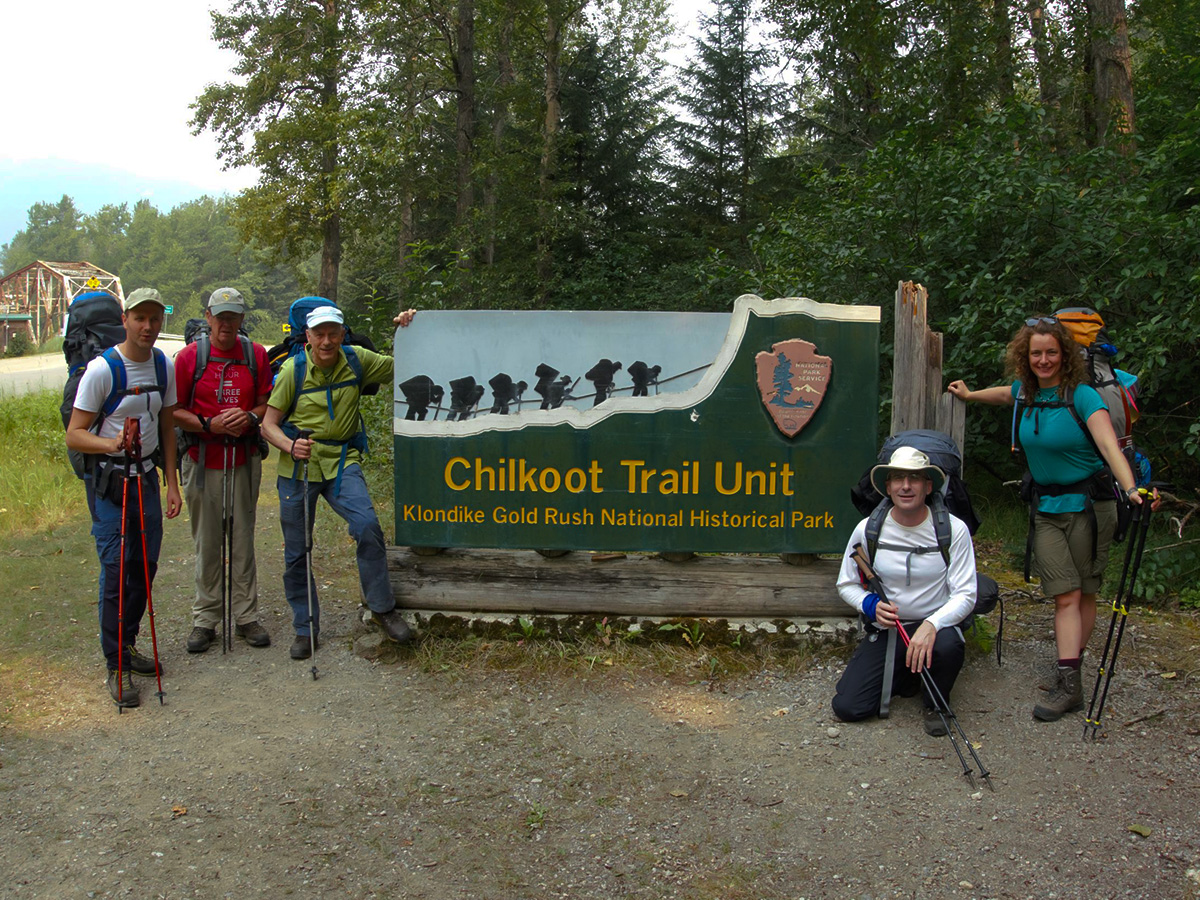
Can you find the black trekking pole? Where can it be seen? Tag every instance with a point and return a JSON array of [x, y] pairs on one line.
[[305, 434], [136, 453], [940, 704], [1121, 610], [226, 549]]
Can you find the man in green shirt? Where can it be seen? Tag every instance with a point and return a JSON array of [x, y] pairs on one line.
[[330, 378]]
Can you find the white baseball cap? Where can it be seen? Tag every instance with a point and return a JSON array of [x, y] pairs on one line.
[[323, 314]]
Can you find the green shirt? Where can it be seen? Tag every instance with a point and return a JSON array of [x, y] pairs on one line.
[[313, 409]]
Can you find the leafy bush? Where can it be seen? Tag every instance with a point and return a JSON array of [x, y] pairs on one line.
[[19, 345]]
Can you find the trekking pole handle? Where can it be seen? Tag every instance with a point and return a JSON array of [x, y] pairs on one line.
[[131, 439]]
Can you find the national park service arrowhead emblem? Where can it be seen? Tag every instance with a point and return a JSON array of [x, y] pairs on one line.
[[792, 380]]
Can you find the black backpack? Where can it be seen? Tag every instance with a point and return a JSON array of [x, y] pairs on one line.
[[953, 498]]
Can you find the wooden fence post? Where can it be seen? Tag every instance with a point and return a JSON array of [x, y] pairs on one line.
[[918, 400]]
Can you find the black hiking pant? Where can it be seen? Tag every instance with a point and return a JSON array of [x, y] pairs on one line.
[[861, 686]]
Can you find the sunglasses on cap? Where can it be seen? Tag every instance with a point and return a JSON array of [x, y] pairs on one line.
[[1035, 321]]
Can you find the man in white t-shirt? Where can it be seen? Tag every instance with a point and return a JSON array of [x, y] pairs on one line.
[[130, 380], [927, 592]]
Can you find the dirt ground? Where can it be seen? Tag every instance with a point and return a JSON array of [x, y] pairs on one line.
[[615, 772]]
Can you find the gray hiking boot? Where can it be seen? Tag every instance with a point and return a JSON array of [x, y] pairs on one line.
[[392, 624], [142, 665], [253, 634], [124, 694], [934, 726], [1066, 697]]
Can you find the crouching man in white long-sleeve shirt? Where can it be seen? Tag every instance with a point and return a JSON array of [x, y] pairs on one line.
[[929, 594]]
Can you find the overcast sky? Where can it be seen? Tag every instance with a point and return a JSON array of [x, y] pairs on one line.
[[96, 104]]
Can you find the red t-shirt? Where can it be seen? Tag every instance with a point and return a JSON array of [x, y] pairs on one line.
[[225, 373]]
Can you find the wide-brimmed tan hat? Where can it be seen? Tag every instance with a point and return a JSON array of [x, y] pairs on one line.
[[905, 460]]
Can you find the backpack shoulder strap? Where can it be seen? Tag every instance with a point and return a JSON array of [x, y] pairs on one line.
[[117, 367], [875, 525], [249, 358], [299, 371], [941, 526], [354, 362], [203, 355], [160, 371]]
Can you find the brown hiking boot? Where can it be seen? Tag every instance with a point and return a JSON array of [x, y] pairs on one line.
[[124, 694], [1051, 680], [200, 639], [253, 634], [393, 626], [1066, 697]]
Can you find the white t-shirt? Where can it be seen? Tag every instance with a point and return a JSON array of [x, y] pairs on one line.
[[96, 384], [920, 584]]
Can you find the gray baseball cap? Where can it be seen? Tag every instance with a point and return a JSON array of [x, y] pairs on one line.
[[144, 295], [226, 299]]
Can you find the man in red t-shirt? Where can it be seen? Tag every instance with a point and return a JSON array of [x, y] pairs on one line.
[[220, 408]]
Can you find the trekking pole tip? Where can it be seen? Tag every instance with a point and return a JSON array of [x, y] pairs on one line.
[[314, 673]]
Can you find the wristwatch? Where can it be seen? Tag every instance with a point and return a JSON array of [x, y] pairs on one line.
[[204, 423], [254, 420], [1133, 490]]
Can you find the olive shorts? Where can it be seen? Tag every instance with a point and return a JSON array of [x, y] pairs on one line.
[[1062, 549]]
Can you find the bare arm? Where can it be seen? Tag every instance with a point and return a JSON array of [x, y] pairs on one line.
[[81, 438], [300, 448], [166, 438], [1000, 395], [1100, 427]]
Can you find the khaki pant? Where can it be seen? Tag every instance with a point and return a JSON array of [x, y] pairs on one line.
[[202, 490]]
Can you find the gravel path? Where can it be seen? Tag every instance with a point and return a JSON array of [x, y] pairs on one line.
[[400, 778]]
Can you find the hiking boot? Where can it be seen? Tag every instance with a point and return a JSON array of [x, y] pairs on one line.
[[1066, 697], [301, 649], [127, 696], [392, 624], [934, 726], [142, 665], [254, 634], [200, 639], [1048, 683]]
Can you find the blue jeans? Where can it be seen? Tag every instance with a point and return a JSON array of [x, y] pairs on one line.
[[106, 529], [353, 504]]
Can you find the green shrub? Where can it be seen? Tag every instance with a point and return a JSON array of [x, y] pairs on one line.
[[19, 345]]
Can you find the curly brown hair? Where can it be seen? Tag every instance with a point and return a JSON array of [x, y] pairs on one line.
[[1016, 357]]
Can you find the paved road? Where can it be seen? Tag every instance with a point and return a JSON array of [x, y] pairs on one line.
[[47, 371]]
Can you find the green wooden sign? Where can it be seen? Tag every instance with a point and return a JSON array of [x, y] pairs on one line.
[[648, 431]]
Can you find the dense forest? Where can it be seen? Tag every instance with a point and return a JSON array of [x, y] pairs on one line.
[[1012, 156]]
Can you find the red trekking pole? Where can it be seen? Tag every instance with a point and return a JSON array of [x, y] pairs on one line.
[[121, 570], [134, 450]]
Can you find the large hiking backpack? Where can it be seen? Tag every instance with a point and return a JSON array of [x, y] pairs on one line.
[[953, 498], [1116, 387], [293, 342], [94, 328]]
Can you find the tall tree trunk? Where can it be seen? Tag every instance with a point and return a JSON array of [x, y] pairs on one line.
[[1047, 83], [404, 241], [331, 222], [505, 78], [1002, 25], [464, 73], [1112, 74], [549, 163]]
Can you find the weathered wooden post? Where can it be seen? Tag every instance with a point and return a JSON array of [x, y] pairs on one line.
[[918, 398]]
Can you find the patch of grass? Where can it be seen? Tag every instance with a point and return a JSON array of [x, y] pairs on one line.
[[38, 489]]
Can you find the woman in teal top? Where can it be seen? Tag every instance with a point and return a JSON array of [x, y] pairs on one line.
[[1070, 543]]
